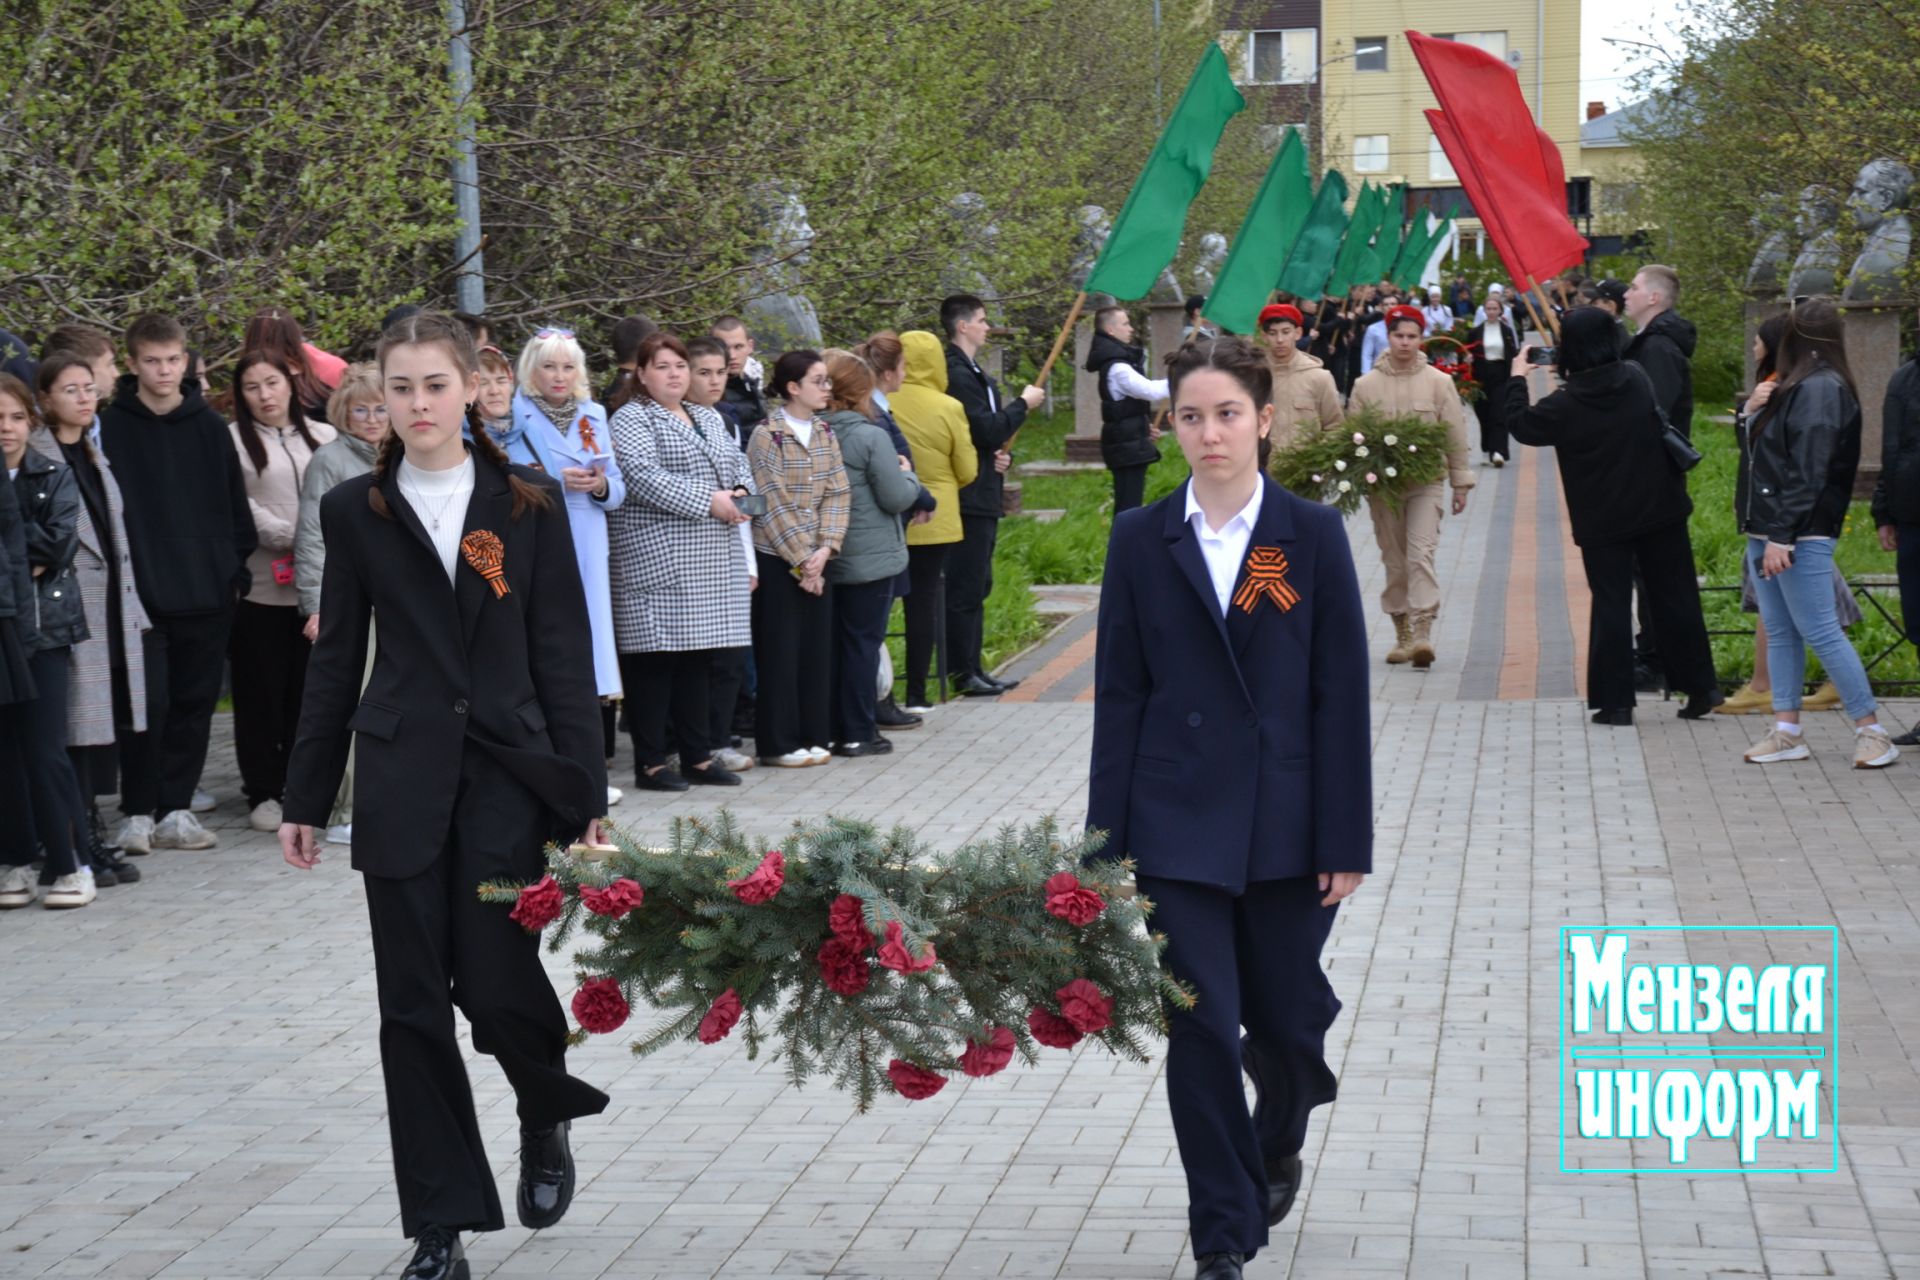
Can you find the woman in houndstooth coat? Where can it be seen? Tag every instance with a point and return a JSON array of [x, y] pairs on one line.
[[681, 566]]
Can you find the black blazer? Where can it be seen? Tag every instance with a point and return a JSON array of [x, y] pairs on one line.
[[512, 673], [990, 428], [1231, 750]]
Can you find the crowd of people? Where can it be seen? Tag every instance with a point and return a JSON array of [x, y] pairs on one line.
[[741, 532]]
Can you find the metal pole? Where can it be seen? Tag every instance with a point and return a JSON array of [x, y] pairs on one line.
[[470, 285]]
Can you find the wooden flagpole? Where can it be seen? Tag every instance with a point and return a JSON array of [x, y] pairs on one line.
[[1059, 344], [1546, 308]]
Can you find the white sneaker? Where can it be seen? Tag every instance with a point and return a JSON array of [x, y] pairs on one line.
[[733, 761], [340, 833], [135, 835], [796, 759], [16, 887], [181, 830], [265, 816], [1873, 749], [74, 890], [918, 711], [1777, 747], [203, 801], [1498, 460], [819, 755], [614, 796]]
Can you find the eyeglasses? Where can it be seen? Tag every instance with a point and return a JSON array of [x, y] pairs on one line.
[[553, 332], [368, 412]]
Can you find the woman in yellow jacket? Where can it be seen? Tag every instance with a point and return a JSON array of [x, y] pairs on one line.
[[944, 457], [1403, 385]]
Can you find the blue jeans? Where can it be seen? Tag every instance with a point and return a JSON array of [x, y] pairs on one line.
[[1797, 606]]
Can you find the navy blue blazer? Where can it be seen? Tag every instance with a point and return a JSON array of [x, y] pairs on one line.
[[1236, 749]]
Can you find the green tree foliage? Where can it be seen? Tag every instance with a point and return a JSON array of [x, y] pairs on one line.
[[1766, 98], [209, 157]]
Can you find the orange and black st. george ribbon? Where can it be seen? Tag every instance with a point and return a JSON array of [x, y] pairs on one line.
[[485, 553], [1266, 579]]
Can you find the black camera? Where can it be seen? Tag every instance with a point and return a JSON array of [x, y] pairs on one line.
[[1542, 355]]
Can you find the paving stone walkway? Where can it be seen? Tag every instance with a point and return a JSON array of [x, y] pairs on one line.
[[194, 1087]]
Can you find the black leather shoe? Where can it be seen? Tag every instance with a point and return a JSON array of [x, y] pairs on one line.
[[1700, 704], [437, 1255], [546, 1176], [888, 715], [1615, 716], [664, 780], [1001, 685], [1911, 738], [712, 776], [1220, 1266], [1283, 1184], [977, 687], [877, 746], [1647, 678]]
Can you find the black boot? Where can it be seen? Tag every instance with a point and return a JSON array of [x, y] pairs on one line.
[[437, 1255], [1220, 1266], [110, 866], [546, 1176]]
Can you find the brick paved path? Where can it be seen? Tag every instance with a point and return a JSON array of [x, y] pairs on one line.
[[194, 1088]]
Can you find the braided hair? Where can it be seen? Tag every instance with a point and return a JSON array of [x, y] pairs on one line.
[[420, 329]]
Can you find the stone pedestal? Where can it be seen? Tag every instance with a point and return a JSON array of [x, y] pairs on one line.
[[1164, 322], [1083, 445]]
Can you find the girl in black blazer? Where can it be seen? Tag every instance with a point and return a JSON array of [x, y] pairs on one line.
[[1231, 763], [479, 742]]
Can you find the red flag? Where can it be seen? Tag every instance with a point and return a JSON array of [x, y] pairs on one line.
[[1523, 182], [1465, 168]]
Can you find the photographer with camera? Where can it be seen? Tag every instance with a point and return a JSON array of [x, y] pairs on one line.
[[1627, 500], [1493, 344]]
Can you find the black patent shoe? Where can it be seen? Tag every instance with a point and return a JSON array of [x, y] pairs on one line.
[[546, 1176], [888, 715], [1220, 1266], [714, 775], [659, 780], [1616, 716], [1283, 1184], [977, 687], [437, 1255]]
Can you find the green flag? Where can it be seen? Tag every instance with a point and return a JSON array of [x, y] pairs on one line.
[[1305, 274], [1368, 207], [1402, 269], [1272, 224], [1146, 235], [1386, 244]]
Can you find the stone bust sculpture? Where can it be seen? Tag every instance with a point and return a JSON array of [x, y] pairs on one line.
[[1879, 203], [1767, 276], [1818, 266]]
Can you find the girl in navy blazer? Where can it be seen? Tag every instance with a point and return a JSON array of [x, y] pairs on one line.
[[478, 740], [1230, 762]]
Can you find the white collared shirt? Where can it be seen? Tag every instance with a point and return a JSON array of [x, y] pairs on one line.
[[1125, 382], [1225, 550]]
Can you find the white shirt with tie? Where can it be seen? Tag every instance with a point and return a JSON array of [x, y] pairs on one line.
[[1225, 550]]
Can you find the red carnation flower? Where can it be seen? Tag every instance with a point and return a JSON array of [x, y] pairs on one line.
[[539, 905], [990, 1058], [893, 952], [847, 918], [599, 1007], [618, 898], [763, 881], [844, 970], [1073, 901], [1084, 1005], [720, 1018], [914, 1082], [1052, 1030]]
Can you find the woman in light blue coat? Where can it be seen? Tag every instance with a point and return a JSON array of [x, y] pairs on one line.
[[559, 428]]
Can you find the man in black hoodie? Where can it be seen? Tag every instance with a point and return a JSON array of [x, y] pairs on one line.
[[1663, 346], [991, 422], [1127, 396], [190, 531]]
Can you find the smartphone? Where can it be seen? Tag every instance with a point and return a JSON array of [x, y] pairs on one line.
[[1542, 355], [600, 461], [750, 504]]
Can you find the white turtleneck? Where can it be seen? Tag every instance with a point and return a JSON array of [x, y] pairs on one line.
[[440, 496], [802, 429]]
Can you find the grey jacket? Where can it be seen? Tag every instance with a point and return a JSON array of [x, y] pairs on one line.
[[876, 544], [342, 458]]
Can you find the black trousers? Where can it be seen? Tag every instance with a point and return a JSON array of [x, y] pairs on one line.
[[186, 657], [1129, 487], [860, 615], [269, 656], [1255, 958], [1906, 565], [969, 583], [667, 690], [725, 682], [436, 945], [793, 658], [138, 754], [925, 567], [38, 792], [1663, 560], [1493, 423]]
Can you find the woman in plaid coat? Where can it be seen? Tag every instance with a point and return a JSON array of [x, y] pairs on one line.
[[681, 566]]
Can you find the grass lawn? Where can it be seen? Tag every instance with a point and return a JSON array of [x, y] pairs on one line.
[[1718, 545]]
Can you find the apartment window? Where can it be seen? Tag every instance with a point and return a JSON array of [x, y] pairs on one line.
[[1439, 168], [1283, 57], [1493, 42], [1272, 136], [1370, 153], [1370, 53]]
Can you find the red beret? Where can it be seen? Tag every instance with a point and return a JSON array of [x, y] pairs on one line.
[[1396, 314], [1282, 311]]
